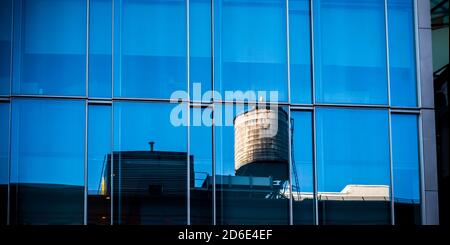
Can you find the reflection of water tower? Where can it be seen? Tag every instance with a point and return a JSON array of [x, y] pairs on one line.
[[261, 143]]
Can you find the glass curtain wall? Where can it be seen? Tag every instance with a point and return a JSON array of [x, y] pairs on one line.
[[89, 134]]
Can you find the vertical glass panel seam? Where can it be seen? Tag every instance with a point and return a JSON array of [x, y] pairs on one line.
[[8, 204], [188, 167], [288, 58], [87, 48], [422, 171], [213, 130], [213, 156], [288, 70], [388, 68], [388, 75], [291, 196], [315, 195], [417, 55], [8, 197], [312, 53], [111, 214], [313, 100], [85, 214], [111, 174]]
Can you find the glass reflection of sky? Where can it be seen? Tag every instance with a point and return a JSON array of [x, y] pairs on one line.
[[350, 57], [48, 142], [100, 48], [405, 147], [136, 124], [402, 53], [300, 51], [49, 47], [352, 148], [250, 46], [200, 43]]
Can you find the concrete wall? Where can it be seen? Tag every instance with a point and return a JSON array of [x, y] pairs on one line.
[[430, 208]]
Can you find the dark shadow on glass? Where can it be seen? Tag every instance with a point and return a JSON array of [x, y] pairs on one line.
[[149, 165], [150, 48], [4, 161], [149, 186]]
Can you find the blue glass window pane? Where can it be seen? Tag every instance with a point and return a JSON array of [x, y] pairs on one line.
[[150, 181], [250, 46], [49, 47], [200, 45], [353, 167], [5, 45], [402, 53], [300, 51], [350, 51], [47, 161], [150, 48], [405, 158], [201, 151], [99, 148], [4, 160], [100, 45], [4, 142], [302, 167]]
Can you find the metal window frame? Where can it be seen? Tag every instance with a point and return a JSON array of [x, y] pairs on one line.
[[288, 71], [85, 217], [8, 99], [213, 128], [419, 104], [188, 136], [113, 18], [388, 77], [313, 99]]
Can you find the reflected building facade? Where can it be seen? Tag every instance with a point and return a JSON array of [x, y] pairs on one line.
[[150, 186], [85, 86]]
